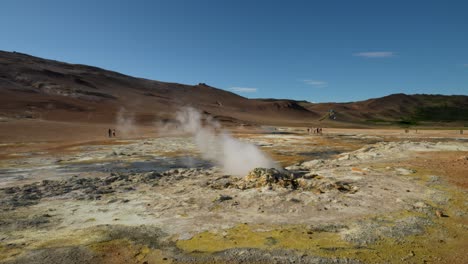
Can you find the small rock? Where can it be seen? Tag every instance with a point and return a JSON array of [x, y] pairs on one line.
[[403, 171], [223, 198], [440, 213], [313, 163], [267, 178], [344, 157], [294, 200], [434, 179], [310, 175], [294, 168]]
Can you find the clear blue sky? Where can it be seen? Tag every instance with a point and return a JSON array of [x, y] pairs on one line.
[[307, 50]]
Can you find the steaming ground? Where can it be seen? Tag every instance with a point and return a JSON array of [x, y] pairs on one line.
[[345, 198], [235, 157]]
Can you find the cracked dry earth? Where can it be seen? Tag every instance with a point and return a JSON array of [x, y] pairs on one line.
[[342, 198]]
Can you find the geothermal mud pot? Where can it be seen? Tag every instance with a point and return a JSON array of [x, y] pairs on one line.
[[337, 198]]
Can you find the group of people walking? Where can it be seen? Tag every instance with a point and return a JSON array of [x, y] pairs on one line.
[[317, 130]]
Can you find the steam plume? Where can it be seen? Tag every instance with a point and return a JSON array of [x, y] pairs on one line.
[[125, 122], [234, 156]]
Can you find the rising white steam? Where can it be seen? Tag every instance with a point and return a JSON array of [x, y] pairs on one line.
[[125, 122], [234, 156]]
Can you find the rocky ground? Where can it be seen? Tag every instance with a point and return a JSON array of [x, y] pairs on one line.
[[341, 198]]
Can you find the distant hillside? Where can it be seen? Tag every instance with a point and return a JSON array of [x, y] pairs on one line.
[[32, 87], [399, 108]]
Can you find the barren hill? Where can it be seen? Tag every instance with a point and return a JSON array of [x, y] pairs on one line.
[[400, 108], [37, 88], [32, 87]]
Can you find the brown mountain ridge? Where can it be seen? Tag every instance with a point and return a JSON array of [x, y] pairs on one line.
[[37, 88]]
